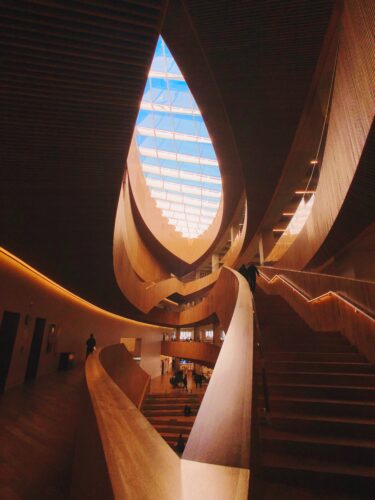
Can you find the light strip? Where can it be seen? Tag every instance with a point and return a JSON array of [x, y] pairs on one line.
[[58, 288], [330, 293], [304, 192], [168, 134]]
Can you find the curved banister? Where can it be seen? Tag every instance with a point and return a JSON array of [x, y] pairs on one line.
[[139, 462], [221, 431]]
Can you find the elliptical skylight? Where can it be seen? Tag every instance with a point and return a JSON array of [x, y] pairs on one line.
[[176, 153]]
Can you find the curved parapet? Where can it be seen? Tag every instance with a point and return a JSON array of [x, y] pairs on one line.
[[200, 352], [228, 417], [120, 366], [134, 461]]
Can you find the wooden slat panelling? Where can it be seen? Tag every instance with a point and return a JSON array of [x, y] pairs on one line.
[[352, 113]]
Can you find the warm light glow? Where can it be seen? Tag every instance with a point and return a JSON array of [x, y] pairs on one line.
[[176, 153], [305, 192], [11, 260], [314, 162], [288, 214]]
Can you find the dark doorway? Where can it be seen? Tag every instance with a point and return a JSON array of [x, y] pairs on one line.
[[36, 345], [8, 333]]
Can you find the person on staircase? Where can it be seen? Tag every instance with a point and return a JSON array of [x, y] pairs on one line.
[[250, 273]]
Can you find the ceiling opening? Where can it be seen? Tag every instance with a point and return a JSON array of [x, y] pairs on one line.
[[176, 154]]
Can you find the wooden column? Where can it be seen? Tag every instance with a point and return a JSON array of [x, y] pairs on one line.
[[217, 330]]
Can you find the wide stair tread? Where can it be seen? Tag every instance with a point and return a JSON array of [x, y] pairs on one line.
[[323, 366], [303, 377]]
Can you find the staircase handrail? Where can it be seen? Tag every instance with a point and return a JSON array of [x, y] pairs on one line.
[[358, 308]]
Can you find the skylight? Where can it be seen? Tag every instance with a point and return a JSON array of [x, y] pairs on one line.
[[176, 154]]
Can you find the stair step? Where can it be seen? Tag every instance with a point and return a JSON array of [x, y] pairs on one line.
[[332, 448], [315, 356], [147, 407], [310, 347], [166, 413], [326, 378], [166, 430], [317, 406], [358, 428], [322, 391], [315, 366], [314, 474]]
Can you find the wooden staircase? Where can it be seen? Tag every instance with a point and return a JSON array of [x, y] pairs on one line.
[[320, 438], [165, 411]]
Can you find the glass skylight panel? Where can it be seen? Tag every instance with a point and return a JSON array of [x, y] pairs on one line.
[[176, 153]]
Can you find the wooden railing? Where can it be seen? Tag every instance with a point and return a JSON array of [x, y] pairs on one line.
[[131, 459], [328, 303]]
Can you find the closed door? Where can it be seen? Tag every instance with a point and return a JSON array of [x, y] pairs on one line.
[[8, 333], [36, 345]]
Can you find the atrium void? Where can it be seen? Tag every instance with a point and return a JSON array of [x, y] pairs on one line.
[[176, 154]]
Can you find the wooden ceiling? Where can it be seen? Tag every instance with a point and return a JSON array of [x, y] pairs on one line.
[[72, 76]]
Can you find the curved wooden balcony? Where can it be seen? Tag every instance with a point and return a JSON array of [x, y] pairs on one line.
[[200, 352], [120, 455]]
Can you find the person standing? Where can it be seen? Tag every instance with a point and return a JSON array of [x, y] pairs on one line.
[[90, 345]]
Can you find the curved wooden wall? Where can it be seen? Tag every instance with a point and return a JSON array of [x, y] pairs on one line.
[[201, 352], [351, 117], [187, 251], [322, 301]]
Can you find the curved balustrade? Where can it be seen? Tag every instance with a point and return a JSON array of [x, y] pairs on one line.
[[328, 303], [132, 459], [201, 352], [142, 294]]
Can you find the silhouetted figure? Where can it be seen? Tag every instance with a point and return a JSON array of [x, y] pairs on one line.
[[184, 380], [180, 445], [198, 378], [90, 345], [252, 273], [187, 411]]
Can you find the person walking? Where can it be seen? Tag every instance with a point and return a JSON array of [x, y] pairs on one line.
[[252, 272], [90, 345]]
